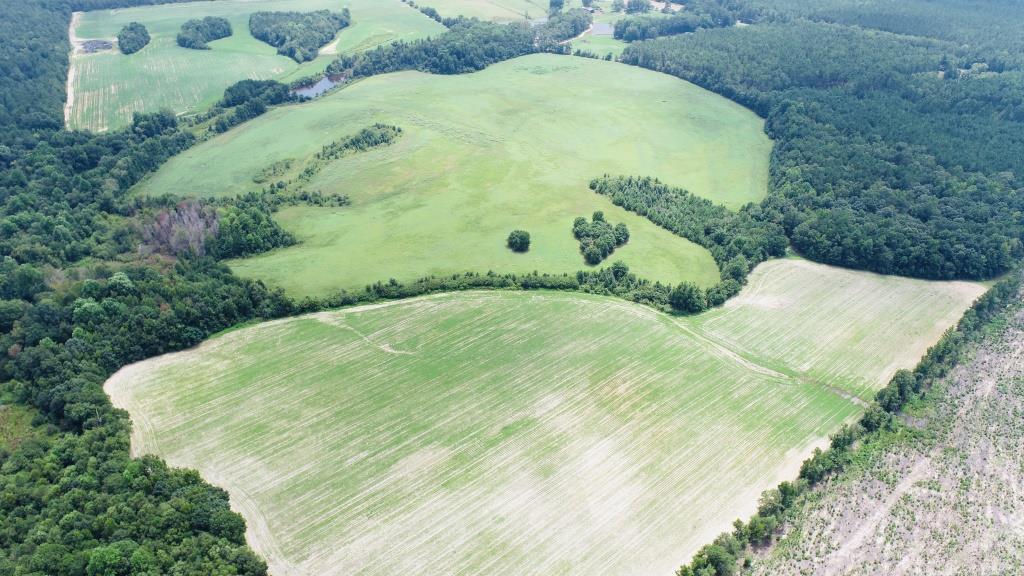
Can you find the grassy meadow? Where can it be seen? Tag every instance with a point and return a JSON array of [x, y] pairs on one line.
[[493, 10], [108, 87], [513, 146], [600, 44], [517, 432]]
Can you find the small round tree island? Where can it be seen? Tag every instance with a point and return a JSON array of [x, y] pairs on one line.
[[519, 240]]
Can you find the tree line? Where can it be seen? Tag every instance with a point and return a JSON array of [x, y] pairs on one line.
[[298, 35], [468, 45], [248, 99], [737, 241], [427, 11]]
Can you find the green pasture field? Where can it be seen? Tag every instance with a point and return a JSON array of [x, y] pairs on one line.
[[523, 432], [513, 146], [108, 87], [600, 44], [493, 10]]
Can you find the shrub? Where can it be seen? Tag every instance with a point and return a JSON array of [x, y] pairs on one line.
[[519, 240], [688, 297]]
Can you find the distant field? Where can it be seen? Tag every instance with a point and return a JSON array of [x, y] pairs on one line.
[[494, 10], [513, 146], [109, 87], [600, 44], [518, 433]]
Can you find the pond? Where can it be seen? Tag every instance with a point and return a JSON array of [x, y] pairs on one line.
[[323, 85]]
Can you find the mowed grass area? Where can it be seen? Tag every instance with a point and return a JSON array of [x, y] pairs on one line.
[[513, 146], [515, 433], [108, 87]]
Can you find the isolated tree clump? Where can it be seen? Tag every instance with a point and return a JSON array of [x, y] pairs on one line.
[[298, 35], [196, 33], [598, 238], [132, 38], [519, 240]]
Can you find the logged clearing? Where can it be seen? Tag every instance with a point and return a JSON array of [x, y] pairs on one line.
[[108, 87], [502, 432], [947, 500], [512, 146]]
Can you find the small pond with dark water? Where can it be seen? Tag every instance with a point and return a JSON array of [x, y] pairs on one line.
[[314, 90]]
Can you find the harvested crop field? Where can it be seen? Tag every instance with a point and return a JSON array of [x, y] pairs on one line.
[[108, 87], [498, 432], [513, 146]]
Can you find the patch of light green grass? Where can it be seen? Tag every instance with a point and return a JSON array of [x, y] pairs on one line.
[[600, 45], [513, 146], [493, 10], [526, 433], [776, 315]]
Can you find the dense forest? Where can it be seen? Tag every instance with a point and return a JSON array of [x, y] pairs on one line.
[[989, 31], [132, 38], [72, 499], [298, 35], [197, 33], [881, 161]]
